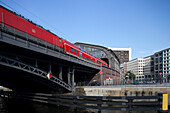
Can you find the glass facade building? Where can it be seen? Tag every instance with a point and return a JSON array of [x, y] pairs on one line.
[[95, 52], [103, 53]]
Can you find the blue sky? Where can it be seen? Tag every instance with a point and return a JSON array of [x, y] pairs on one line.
[[143, 25]]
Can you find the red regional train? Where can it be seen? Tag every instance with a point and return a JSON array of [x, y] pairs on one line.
[[19, 23]]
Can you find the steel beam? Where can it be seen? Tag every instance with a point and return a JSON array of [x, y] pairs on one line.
[[5, 61]]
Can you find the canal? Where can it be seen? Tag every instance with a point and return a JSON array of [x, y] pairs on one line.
[[23, 106]]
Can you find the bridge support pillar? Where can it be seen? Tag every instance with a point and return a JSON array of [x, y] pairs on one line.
[[49, 68], [60, 73], [36, 64], [73, 81], [68, 76]]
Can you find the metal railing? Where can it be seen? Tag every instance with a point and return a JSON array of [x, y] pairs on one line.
[[113, 82], [122, 103]]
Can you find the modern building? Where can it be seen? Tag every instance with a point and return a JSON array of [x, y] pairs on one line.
[[162, 64], [166, 64], [148, 69], [158, 64], [136, 66], [103, 53], [124, 54], [123, 69]]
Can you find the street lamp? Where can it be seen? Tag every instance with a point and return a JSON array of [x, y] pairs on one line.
[[128, 77]]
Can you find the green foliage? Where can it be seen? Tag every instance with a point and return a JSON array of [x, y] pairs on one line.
[[131, 75]]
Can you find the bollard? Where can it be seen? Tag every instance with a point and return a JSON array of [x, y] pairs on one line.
[[163, 102]]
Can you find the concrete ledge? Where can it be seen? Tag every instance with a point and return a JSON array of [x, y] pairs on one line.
[[124, 90]]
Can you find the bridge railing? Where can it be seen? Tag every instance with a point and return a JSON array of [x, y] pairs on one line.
[[99, 103]]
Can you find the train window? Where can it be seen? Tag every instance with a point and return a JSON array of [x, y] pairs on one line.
[[80, 54], [60, 40], [75, 50], [71, 49]]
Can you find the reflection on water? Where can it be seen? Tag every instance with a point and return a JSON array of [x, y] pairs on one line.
[[21, 106]]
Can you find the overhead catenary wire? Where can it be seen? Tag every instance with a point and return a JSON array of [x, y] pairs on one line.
[[54, 28], [8, 5]]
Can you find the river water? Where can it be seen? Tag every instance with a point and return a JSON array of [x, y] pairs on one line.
[[22, 106]]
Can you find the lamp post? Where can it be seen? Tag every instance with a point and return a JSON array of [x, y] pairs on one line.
[[128, 77], [101, 76]]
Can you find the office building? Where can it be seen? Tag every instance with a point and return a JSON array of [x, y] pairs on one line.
[[123, 70], [136, 66], [166, 64], [124, 54], [148, 69]]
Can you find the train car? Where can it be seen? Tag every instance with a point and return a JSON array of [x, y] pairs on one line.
[[14, 21], [75, 51], [71, 49], [101, 62]]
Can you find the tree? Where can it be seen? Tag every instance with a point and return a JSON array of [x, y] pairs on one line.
[[131, 75]]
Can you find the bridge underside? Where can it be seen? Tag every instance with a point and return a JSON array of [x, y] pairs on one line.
[[24, 67], [18, 80]]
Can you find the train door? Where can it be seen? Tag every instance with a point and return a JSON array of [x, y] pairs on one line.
[[80, 55], [60, 43], [55, 43]]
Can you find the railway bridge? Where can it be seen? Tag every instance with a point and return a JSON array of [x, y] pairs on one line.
[[32, 65]]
